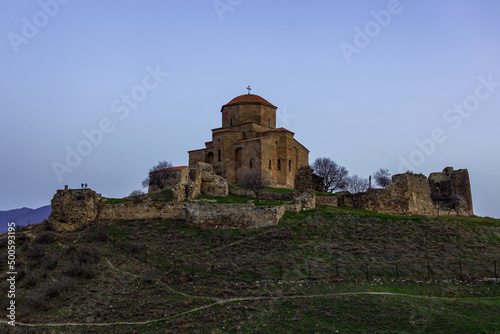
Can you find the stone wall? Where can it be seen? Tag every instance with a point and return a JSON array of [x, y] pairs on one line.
[[170, 177], [128, 211], [227, 216], [407, 195], [231, 216], [303, 179], [327, 201], [73, 209], [266, 195], [450, 189], [76, 209]]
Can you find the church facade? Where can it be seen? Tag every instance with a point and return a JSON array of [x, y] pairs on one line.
[[249, 139]]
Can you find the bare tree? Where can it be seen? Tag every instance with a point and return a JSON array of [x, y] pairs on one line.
[[382, 177], [356, 184], [255, 179], [157, 179], [334, 176], [137, 196]]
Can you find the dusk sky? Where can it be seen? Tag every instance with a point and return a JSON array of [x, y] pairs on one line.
[[100, 91]]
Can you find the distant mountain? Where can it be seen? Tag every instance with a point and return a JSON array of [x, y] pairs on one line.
[[22, 216]]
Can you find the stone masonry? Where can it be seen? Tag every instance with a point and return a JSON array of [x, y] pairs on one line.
[[73, 209], [76, 209], [450, 189], [446, 193], [407, 195], [230, 216], [200, 179], [248, 139]]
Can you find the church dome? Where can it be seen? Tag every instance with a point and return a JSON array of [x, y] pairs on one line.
[[249, 99]]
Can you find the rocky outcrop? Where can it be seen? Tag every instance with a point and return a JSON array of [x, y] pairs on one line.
[[73, 209]]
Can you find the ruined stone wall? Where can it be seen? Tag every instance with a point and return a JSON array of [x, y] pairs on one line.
[[73, 209], [76, 209], [407, 195], [266, 195], [172, 178], [327, 201], [231, 216], [303, 179], [450, 189], [200, 179], [128, 211]]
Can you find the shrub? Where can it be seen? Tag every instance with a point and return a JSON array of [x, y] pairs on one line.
[[37, 301], [49, 262], [70, 249], [36, 251], [21, 272], [31, 279], [79, 270], [62, 286], [148, 275], [135, 248], [82, 263], [45, 238], [87, 254], [21, 238], [137, 196], [100, 234], [46, 225]]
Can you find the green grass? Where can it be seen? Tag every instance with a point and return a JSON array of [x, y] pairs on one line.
[[162, 196], [117, 200]]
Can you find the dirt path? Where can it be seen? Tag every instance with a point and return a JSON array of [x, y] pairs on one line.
[[225, 301]]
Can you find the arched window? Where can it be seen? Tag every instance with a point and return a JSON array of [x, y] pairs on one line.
[[231, 122], [251, 163], [210, 158], [279, 165], [289, 165], [237, 158], [270, 165], [268, 123], [218, 154]]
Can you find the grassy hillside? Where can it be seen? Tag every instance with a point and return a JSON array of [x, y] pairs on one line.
[[319, 271]]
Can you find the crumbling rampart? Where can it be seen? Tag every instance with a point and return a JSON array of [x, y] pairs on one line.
[[73, 209]]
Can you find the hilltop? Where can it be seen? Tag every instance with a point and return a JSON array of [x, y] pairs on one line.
[[320, 270]]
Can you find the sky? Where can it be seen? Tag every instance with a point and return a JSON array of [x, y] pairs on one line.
[[98, 92]]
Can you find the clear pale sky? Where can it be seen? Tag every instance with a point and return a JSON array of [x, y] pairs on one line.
[[367, 83]]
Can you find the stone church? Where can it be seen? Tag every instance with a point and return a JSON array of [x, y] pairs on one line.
[[247, 139]]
